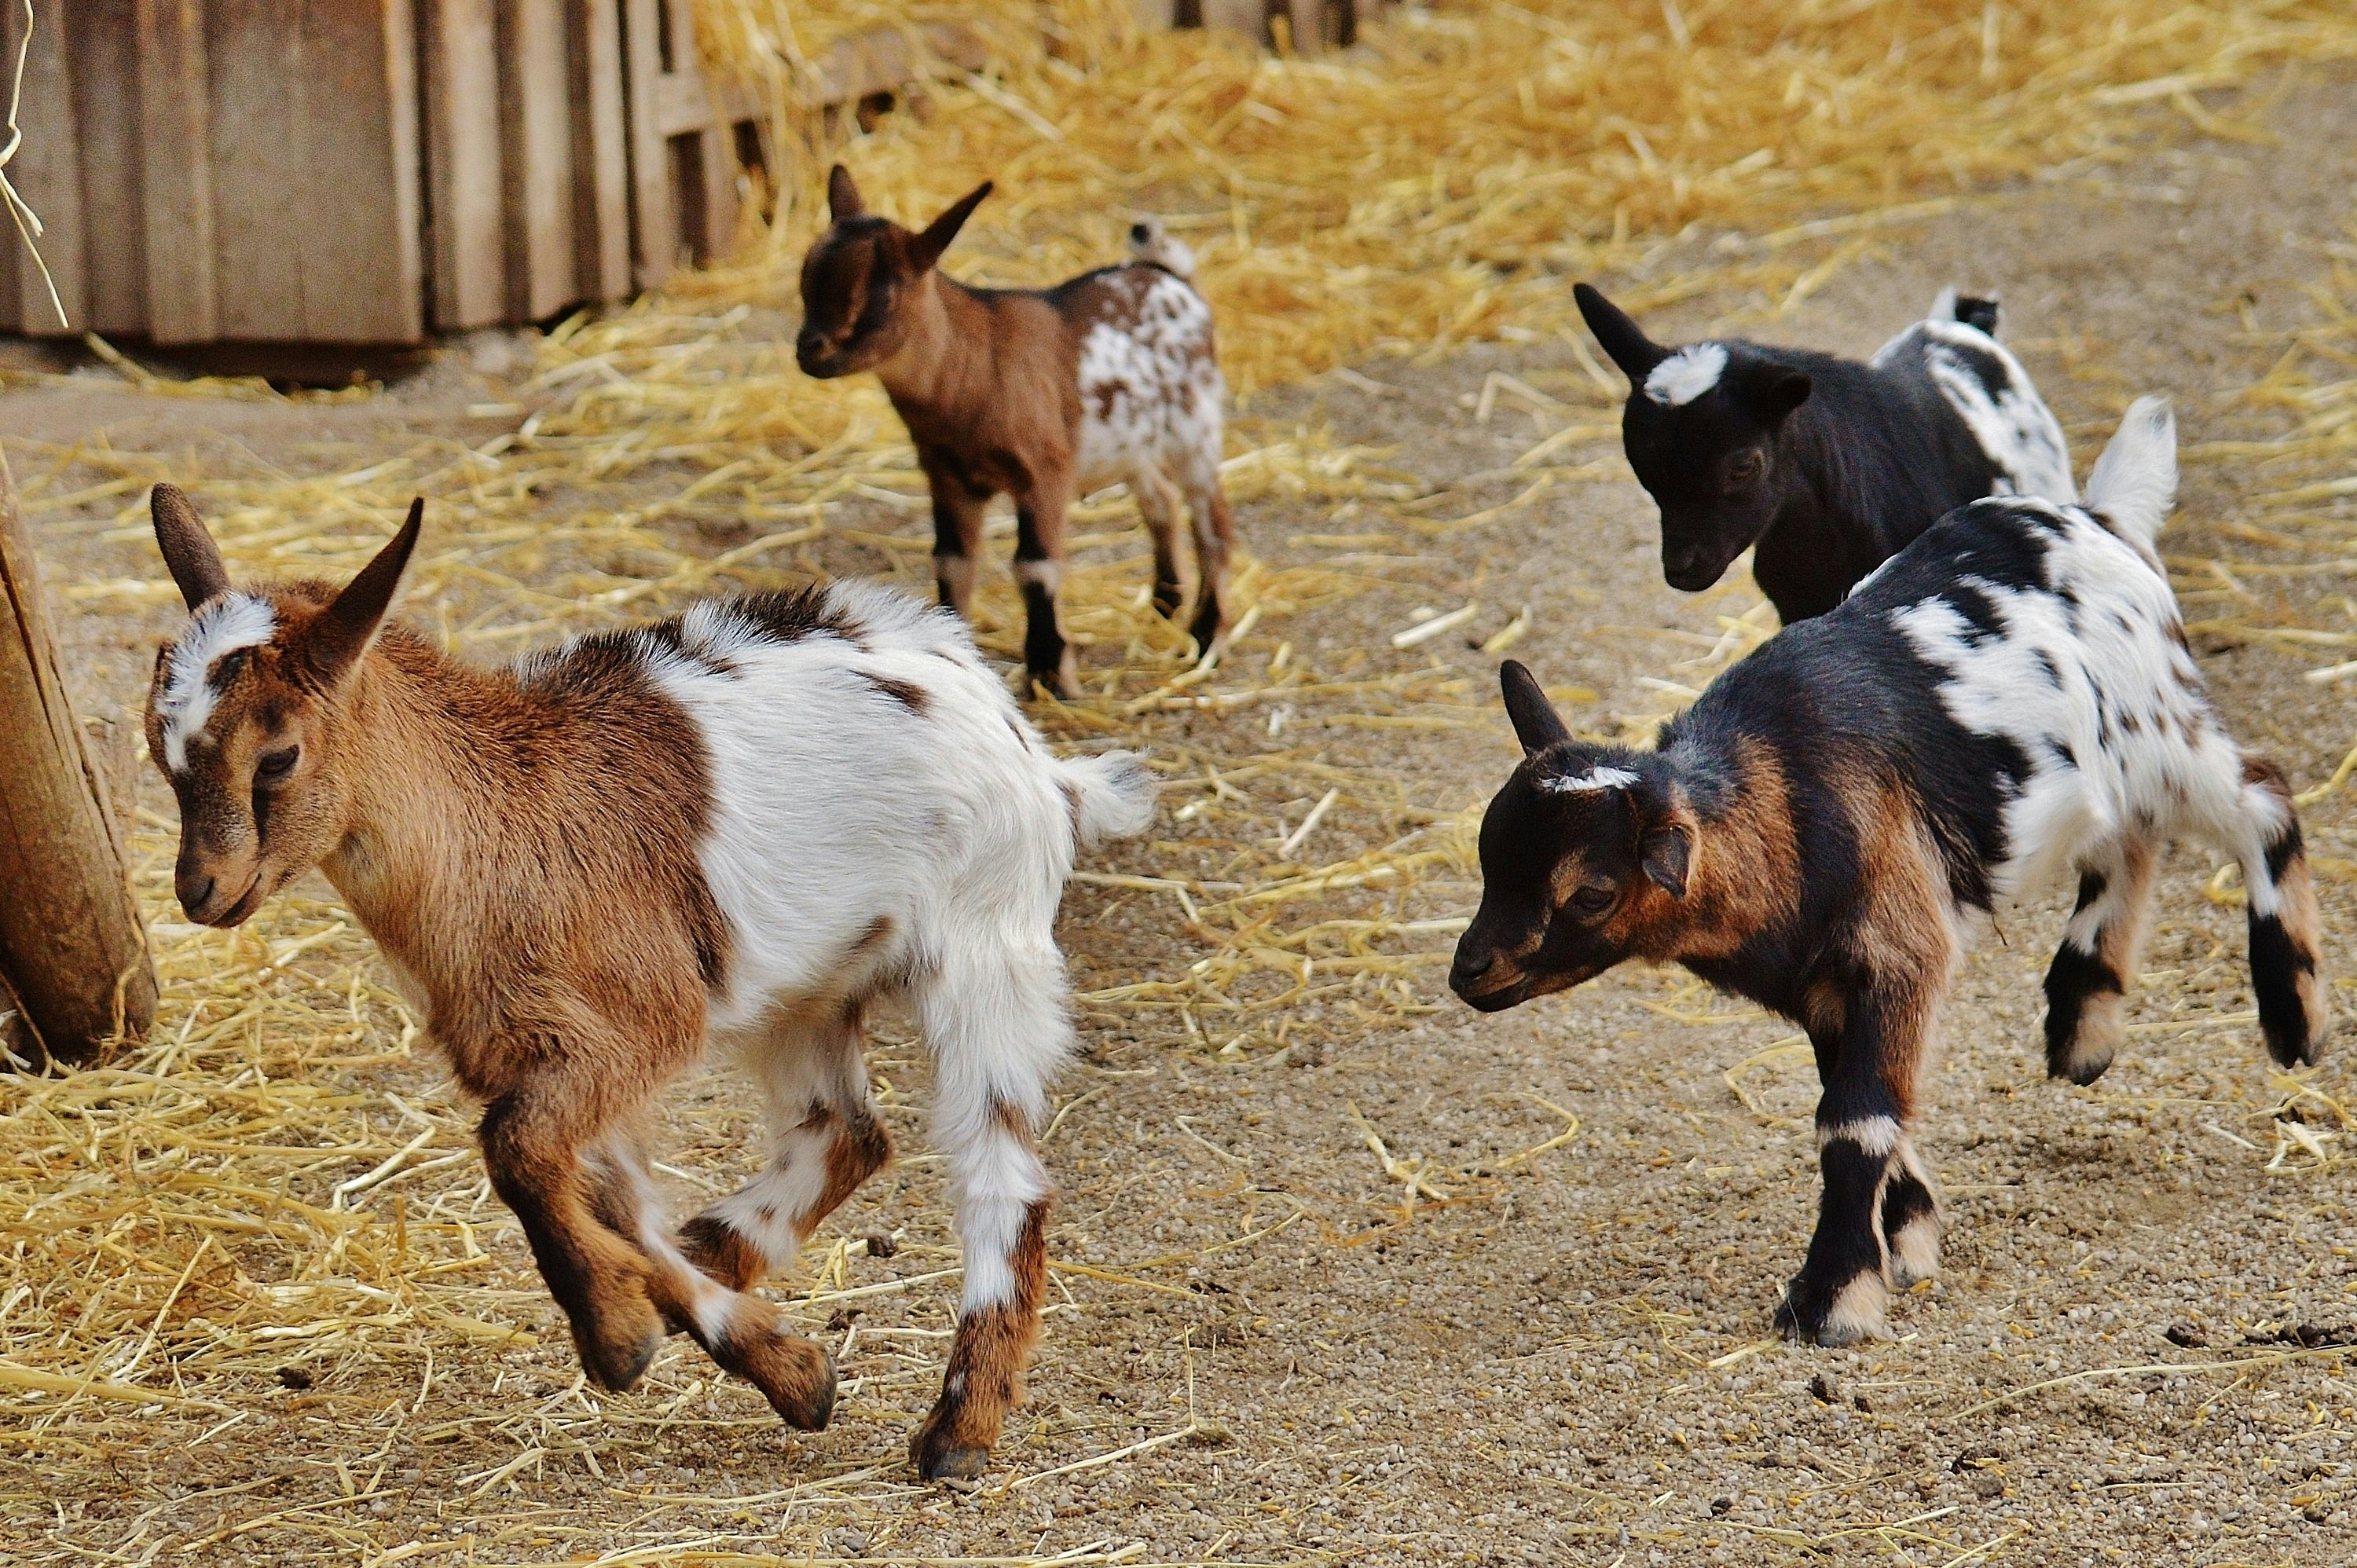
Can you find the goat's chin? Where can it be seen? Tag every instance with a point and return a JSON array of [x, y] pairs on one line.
[[1519, 989], [1694, 579]]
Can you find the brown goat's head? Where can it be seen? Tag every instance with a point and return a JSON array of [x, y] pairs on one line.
[[861, 277], [245, 715], [1584, 856]]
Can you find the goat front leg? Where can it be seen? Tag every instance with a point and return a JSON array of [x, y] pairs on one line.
[[1040, 573], [994, 1037], [1842, 1293], [531, 1141], [957, 538]]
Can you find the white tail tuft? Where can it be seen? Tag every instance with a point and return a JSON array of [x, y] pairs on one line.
[[2135, 481], [1113, 795], [1150, 242]]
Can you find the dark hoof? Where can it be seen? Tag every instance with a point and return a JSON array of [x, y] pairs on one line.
[[1064, 684], [952, 1464], [793, 1374], [1208, 631], [2081, 1070], [617, 1367], [1834, 1319], [1166, 599]]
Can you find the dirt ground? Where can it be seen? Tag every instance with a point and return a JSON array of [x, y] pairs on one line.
[[1560, 1356]]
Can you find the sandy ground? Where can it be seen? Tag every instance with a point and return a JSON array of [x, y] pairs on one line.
[[1568, 1359]]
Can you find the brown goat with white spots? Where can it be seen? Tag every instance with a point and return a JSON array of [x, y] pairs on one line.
[[1035, 393], [748, 825]]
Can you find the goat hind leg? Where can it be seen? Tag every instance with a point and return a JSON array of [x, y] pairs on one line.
[[996, 1037], [2286, 932], [1909, 1218], [1215, 538], [2086, 986], [826, 1140], [1159, 509], [745, 1335]]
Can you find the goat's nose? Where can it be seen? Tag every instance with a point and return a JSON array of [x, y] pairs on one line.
[[1140, 232], [195, 891], [1472, 966]]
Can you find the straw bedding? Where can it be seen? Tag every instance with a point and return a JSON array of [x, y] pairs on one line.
[[268, 1216]]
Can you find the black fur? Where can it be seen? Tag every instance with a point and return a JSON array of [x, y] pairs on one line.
[[2277, 965], [1827, 487]]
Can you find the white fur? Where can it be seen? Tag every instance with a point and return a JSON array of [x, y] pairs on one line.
[[1875, 1135], [224, 625], [2161, 766], [1158, 245], [1152, 398], [1860, 1312], [1589, 782], [2016, 430], [836, 808], [2135, 481], [1687, 374]]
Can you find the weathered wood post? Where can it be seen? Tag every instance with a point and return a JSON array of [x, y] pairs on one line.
[[73, 957]]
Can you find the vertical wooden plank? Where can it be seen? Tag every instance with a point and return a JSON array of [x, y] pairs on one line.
[[601, 190], [174, 151], [105, 61], [73, 958], [1306, 19], [463, 159], [1249, 17], [48, 174], [260, 78], [537, 134], [654, 225], [363, 275]]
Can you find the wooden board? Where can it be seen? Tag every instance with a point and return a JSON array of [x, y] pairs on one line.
[[463, 162], [105, 78], [536, 138], [601, 186], [363, 259], [654, 222], [47, 173], [176, 165], [257, 72]]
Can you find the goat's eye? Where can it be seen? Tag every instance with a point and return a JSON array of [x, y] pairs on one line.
[[274, 765], [1745, 469], [230, 663], [1593, 900]]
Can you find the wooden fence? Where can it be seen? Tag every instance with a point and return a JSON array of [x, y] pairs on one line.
[[376, 171]]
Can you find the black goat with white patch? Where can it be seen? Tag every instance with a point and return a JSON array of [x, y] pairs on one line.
[[1829, 466], [2008, 703]]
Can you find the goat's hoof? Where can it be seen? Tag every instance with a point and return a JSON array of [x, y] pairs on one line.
[[616, 1359], [1167, 599], [1834, 1319], [1062, 684], [795, 1376], [2082, 1062], [955, 1464]]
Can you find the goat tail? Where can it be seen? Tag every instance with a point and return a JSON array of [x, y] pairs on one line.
[[1971, 309], [1111, 795], [1151, 242], [2135, 481]]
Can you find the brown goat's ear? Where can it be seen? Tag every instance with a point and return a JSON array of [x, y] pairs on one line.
[[1536, 724], [1667, 853], [194, 559], [842, 196], [344, 629], [1623, 339], [926, 248]]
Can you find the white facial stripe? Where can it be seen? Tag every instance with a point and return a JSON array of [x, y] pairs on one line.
[[1590, 782], [1687, 374], [220, 628]]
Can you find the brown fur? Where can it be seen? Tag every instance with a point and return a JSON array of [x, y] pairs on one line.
[[986, 1361]]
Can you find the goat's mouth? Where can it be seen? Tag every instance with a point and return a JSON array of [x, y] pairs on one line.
[[242, 909], [1697, 572], [1492, 991], [823, 362]]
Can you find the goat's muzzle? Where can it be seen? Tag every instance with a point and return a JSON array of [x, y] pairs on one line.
[[1483, 983]]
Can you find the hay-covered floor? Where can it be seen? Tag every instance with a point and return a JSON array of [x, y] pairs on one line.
[[1342, 1274]]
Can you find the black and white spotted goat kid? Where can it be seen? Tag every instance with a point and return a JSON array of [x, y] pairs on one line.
[[2007, 704], [1827, 465]]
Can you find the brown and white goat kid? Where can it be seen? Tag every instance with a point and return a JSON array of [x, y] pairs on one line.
[[749, 823], [2007, 702], [1036, 393]]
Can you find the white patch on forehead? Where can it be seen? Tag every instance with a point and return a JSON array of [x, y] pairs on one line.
[[223, 627], [1588, 783], [1687, 374]]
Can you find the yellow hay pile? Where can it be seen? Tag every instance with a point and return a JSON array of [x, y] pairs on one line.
[[252, 1194]]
